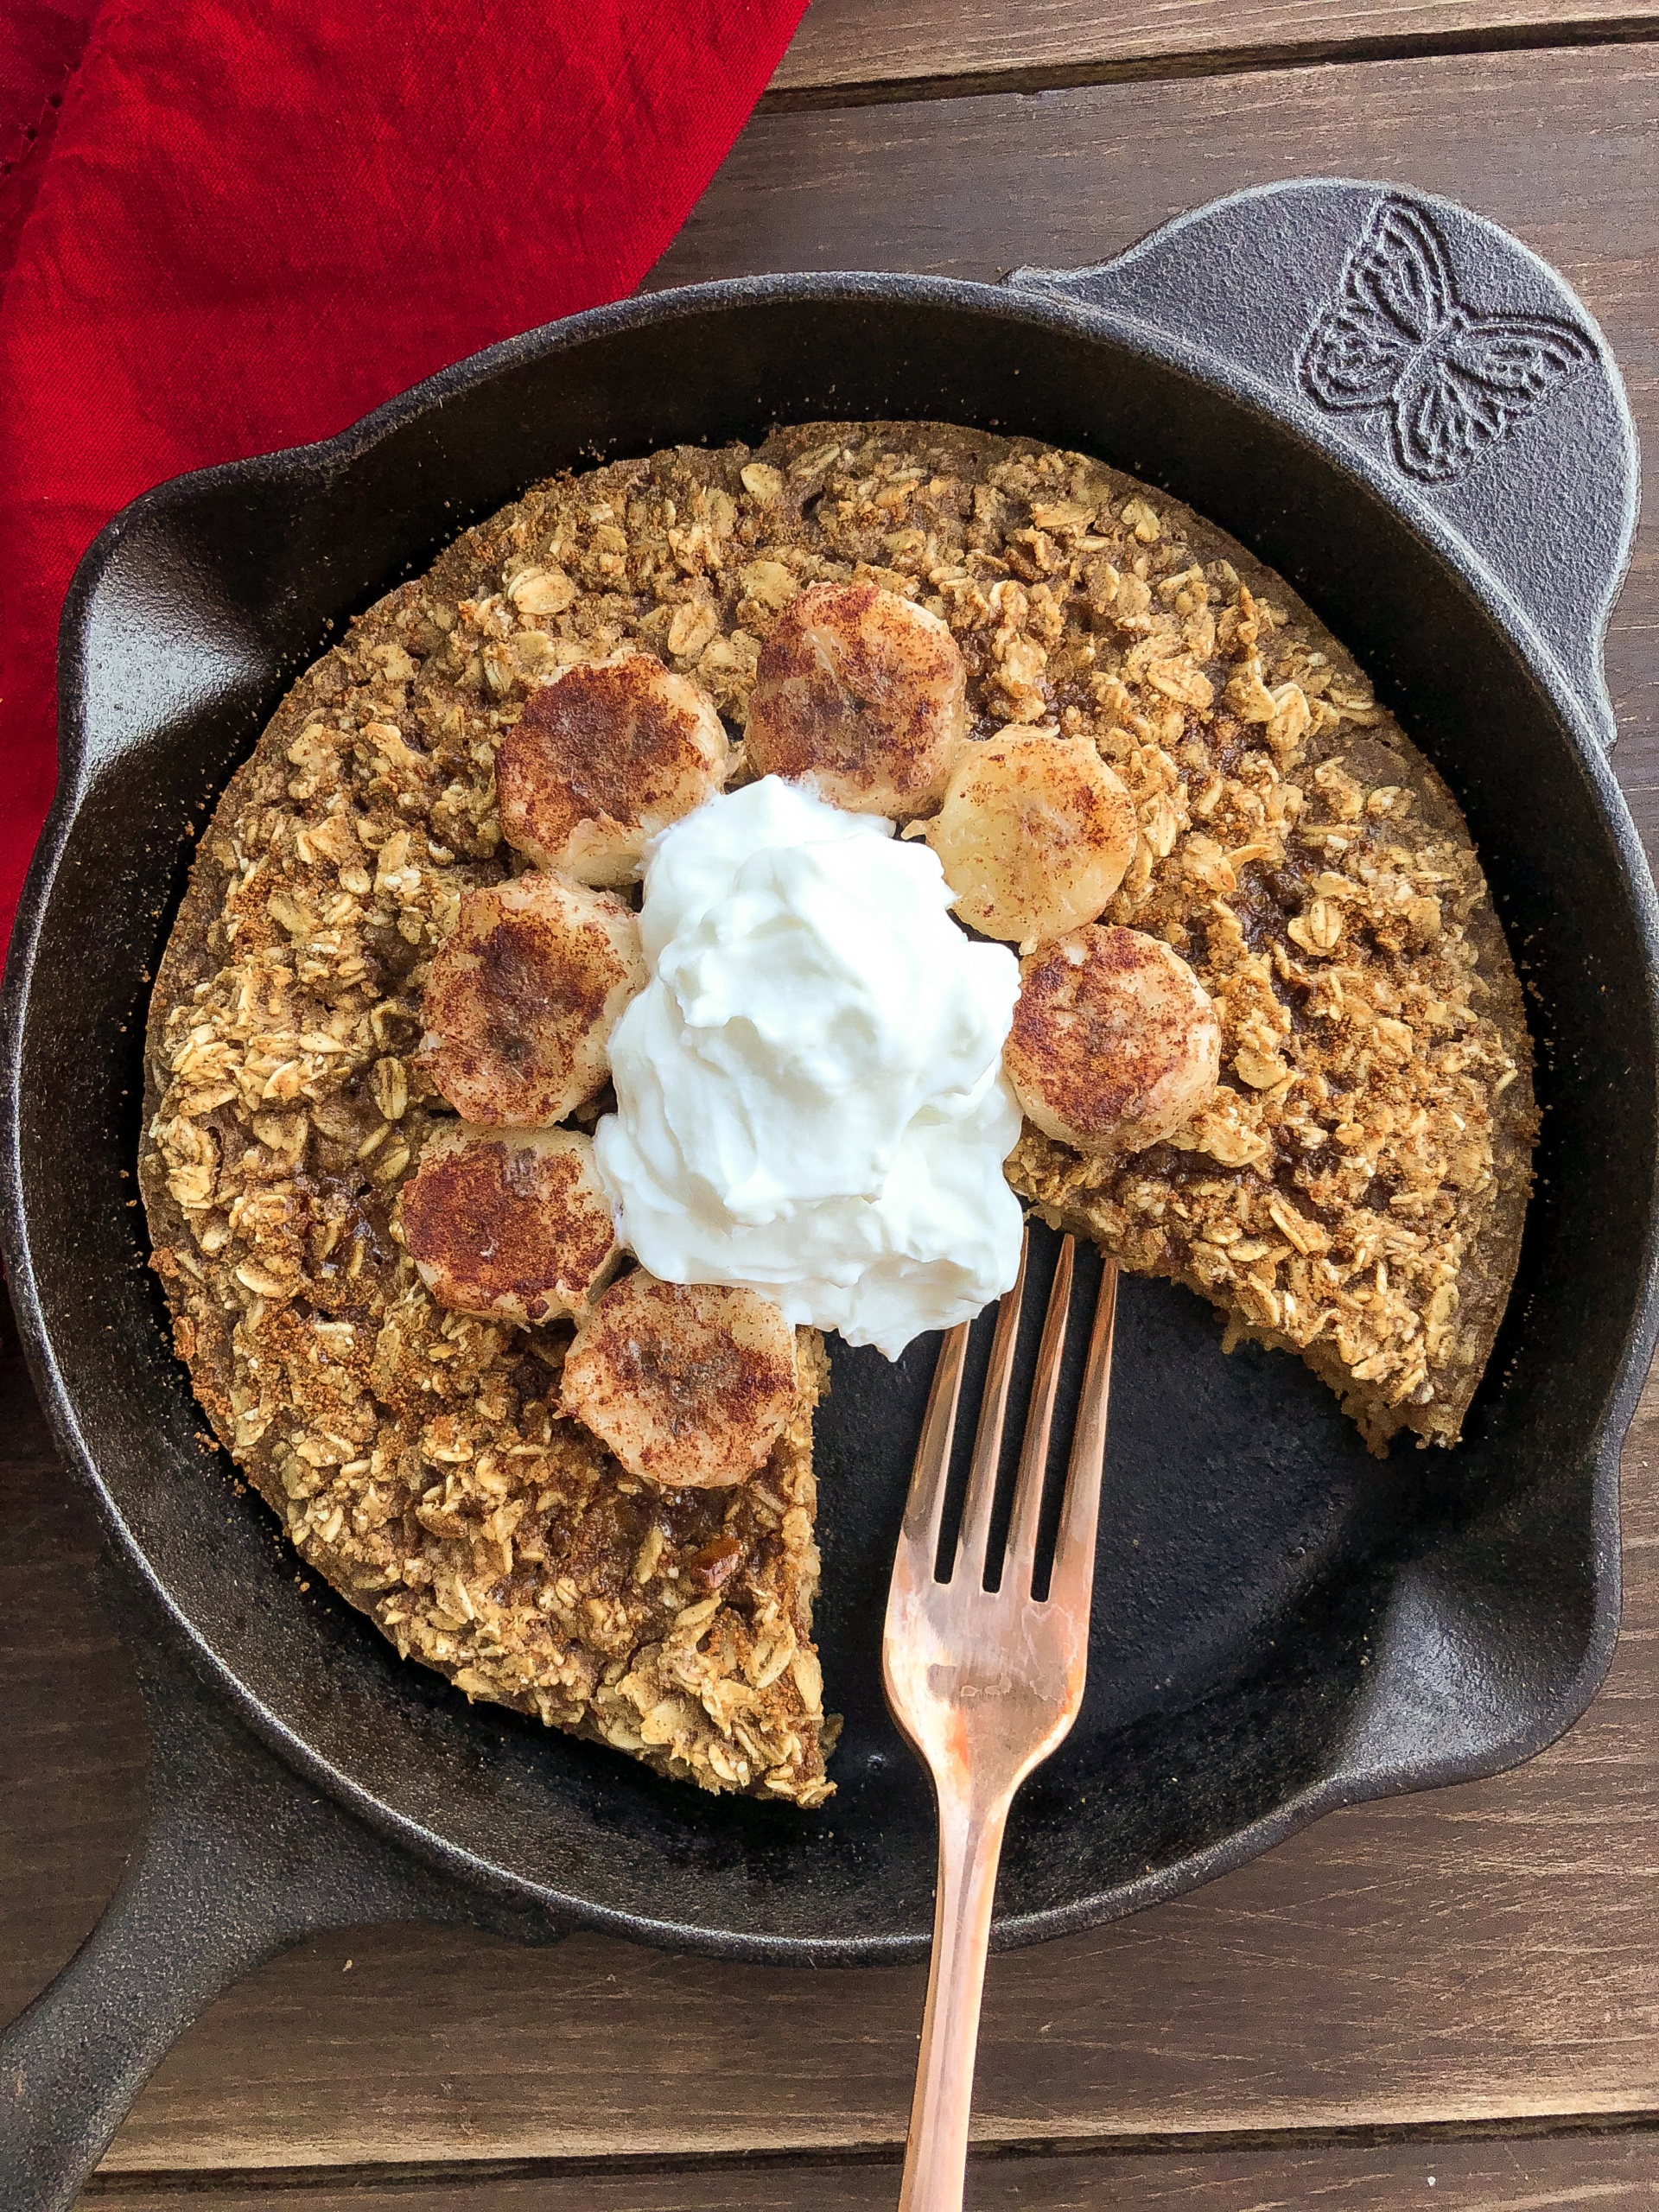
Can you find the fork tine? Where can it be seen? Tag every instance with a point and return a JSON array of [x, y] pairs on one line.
[[972, 1543], [924, 1507], [1039, 1420], [1073, 1579]]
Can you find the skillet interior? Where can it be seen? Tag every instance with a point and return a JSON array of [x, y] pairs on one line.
[[1281, 1622]]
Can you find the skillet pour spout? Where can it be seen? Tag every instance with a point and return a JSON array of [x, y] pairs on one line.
[[1400, 409]]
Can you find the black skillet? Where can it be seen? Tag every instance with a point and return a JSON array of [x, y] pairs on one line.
[[1283, 1624]]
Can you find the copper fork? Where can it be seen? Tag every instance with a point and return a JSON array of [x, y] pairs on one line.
[[986, 1684]]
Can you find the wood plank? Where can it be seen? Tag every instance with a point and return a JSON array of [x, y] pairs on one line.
[[1613, 2172], [869, 49], [1563, 149], [72, 1748]]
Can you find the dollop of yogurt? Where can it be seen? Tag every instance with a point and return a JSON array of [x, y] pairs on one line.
[[809, 1093]]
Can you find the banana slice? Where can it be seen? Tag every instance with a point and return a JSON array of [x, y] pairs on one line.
[[523, 996], [1034, 834], [602, 758], [510, 1224], [865, 692], [688, 1385], [1115, 1042]]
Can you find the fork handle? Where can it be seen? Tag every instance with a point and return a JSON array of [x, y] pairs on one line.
[[936, 2149]]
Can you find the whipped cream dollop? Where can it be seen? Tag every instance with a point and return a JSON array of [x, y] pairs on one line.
[[810, 1094]]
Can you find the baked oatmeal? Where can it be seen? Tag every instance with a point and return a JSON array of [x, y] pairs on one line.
[[1353, 1190]]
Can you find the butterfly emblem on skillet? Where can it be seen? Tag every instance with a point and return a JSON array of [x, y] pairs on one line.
[[1398, 337]]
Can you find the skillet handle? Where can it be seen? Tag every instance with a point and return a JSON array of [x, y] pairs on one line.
[[1438, 357], [239, 1859]]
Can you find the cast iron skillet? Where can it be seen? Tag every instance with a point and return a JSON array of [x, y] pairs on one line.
[[1284, 1624]]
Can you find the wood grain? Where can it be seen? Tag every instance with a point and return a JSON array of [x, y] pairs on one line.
[[1611, 2172], [72, 1745], [870, 50], [1563, 149]]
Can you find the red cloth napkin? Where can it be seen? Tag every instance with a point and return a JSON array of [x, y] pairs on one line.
[[235, 227]]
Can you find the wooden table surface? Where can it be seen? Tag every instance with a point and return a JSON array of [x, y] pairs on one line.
[[1444, 2001]]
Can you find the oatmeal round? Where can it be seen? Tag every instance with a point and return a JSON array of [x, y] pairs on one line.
[[1352, 1191]]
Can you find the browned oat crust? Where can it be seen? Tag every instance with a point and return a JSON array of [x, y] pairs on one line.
[[1355, 1192]]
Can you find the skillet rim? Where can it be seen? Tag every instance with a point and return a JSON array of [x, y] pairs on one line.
[[1045, 309]]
